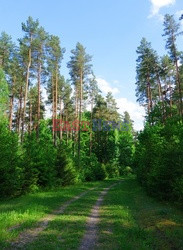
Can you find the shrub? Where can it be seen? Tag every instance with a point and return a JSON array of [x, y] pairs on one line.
[[10, 171]]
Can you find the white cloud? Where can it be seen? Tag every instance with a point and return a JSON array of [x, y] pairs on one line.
[[105, 87], [158, 4], [116, 82], [136, 112]]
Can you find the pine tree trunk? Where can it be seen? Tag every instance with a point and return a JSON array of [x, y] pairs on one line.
[[53, 111], [39, 99], [179, 89], [80, 117], [171, 102], [60, 127], [161, 98], [26, 88], [30, 117], [19, 112], [91, 142], [11, 111], [56, 101]]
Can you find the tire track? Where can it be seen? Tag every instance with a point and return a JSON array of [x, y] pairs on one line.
[[90, 238], [29, 235]]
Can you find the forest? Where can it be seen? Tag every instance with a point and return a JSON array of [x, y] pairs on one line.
[[42, 140], [63, 143]]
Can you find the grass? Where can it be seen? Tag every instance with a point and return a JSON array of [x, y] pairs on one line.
[[129, 219], [132, 220], [67, 230], [21, 213]]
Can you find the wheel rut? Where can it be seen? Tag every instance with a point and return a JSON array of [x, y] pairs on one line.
[[90, 238], [29, 235]]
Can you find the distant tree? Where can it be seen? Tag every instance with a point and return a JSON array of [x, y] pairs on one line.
[[27, 44], [54, 57], [6, 51], [145, 72], [112, 107], [80, 68], [171, 31], [39, 58]]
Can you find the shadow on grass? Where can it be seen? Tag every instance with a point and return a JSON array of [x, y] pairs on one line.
[[129, 220]]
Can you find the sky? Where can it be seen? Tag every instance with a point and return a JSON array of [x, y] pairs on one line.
[[110, 30]]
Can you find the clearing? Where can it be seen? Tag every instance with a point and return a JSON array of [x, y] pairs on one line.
[[113, 214]]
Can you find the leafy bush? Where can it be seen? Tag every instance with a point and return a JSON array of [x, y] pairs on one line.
[[39, 159], [92, 169], [65, 168], [10, 171], [112, 170], [158, 160]]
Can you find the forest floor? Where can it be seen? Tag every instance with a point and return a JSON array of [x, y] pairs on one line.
[[112, 214]]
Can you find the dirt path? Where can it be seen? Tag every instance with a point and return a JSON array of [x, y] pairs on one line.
[[29, 235], [90, 238]]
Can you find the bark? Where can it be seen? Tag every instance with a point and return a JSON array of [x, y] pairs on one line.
[[161, 98], [26, 87], [11, 106], [60, 120], [80, 116], [91, 142], [56, 101], [19, 112], [39, 99], [30, 116], [53, 110], [178, 81], [179, 88]]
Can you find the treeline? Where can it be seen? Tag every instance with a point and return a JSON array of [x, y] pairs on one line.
[[159, 150], [35, 153]]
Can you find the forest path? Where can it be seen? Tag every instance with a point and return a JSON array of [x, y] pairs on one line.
[[29, 235], [90, 238], [113, 214]]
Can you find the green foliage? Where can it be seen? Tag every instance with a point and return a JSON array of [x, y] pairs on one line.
[[33, 154], [127, 171], [10, 172], [159, 157], [112, 170], [39, 159], [65, 168], [92, 169]]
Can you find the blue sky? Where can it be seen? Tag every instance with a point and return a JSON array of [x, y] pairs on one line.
[[111, 30]]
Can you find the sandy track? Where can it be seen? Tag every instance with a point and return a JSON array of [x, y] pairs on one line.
[[29, 235], [90, 238]]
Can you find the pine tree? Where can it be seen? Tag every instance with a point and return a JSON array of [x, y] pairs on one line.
[[39, 57], [6, 51], [171, 31], [112, 107], [93, 91], [145, 74], [54, 57], [79, 70], [27, 44]]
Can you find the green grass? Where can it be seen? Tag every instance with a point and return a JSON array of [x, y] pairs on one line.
[[21, 213], [129, 219], [67, 230], [132, 220]]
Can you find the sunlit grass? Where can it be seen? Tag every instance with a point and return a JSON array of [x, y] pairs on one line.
[[129, 219], [132, 220], [21, 213], [67, 230]]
